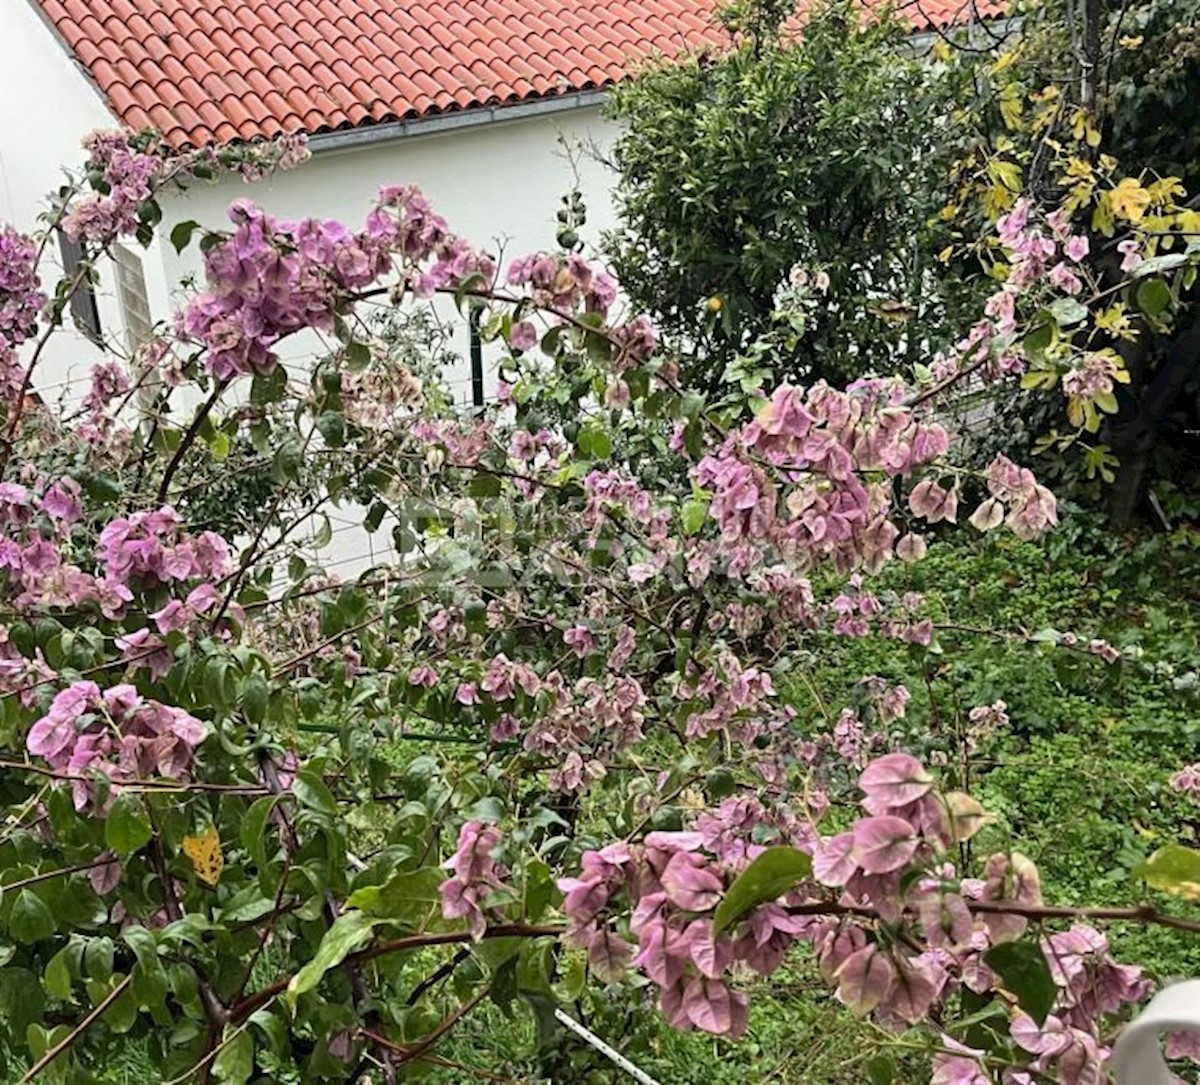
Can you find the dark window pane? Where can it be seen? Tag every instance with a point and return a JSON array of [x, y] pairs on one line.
[[83, 302]]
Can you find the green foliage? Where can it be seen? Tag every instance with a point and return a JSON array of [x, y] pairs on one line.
[[825, 152]]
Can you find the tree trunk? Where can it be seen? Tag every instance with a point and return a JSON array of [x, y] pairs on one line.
[[1133, 433]]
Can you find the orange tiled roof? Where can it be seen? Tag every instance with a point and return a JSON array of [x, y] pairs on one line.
[[204, 71]]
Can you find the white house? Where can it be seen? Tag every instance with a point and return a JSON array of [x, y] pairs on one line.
[[473, 100]]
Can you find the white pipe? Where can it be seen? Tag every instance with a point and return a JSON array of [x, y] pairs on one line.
[[615, 1056]]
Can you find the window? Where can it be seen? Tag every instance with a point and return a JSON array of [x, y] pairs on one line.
[[131, 292], [84, 313]]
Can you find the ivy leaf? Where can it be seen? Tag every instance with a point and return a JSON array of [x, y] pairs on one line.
[[1174, 869], [1023, 969], [349, 932], [771, 875], [31, 919]]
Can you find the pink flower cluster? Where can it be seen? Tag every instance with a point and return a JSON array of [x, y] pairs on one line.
[[272, 278], [889, 866], [563, 283], [1187, 782], [1067, 1046], [1031, 508], [126, 168], [1093, 377], [140, 552], [674, 878], [117, 733], [149, 549], [20, 297], [819, 447], [475, 875], [1047, 256], [127, 179], [1031, 249]]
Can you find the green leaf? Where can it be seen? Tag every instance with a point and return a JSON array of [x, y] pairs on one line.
[[1166, 262], [268, 388], [219, 447], [332, 427], [472, 285], [127, 828], [540, 889], [358, 355], [1153, 297], [595, 442], [1040, 340], [693, 513], [57, 978], [771, 875], [881, 1070], [374, 517], [1023, 969], [1174, 869], [31, 919], [255, 695], [1067, 311], [404, 899], [235, 1063], [181, 235], [484, 485], [310, 790], [350, 932], [691, 405], [253, 830]]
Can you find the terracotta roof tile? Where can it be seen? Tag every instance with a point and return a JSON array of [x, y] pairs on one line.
[[243, 69]]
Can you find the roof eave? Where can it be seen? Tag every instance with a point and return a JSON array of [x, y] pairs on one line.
[[500, 113]]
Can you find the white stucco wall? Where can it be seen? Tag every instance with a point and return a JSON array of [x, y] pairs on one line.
[[47, 105], [497, 184]]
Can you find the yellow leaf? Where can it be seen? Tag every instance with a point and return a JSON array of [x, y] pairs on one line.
[[941, 50], [1005, 173], [205, 853], [1188, 221], [1129, 199], [1005, 60], [997, 200], [1127, 42], [1011, 106], [945, 255], [1079, 167], [1102, 218], [1039, 378]]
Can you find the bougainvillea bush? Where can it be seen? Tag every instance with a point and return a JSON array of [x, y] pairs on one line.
[[273, 826]]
